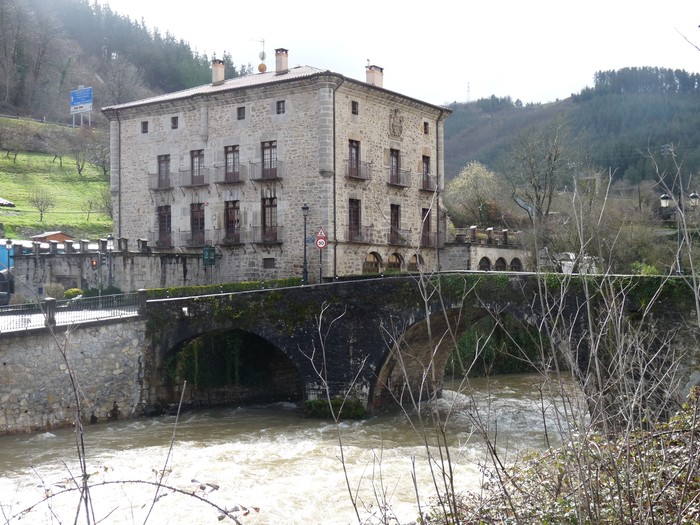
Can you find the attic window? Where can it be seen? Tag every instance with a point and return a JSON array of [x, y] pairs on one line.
[[426, 128], [144, 126], [280, 107], [355, 105], [173, 123], [241, 113]]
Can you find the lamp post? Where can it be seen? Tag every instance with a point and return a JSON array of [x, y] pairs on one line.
[[665, 203], [305, 274], [8, 247], [110, 249]]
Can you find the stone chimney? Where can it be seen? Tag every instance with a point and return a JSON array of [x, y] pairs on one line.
[[281, 61], [375, 75], [217, 72]]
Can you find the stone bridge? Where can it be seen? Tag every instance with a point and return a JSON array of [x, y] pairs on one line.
[[378, 341]]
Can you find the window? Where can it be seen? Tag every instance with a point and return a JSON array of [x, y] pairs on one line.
[[269, 219], [500, 265], [197, 166], [426, 128], [426, 182], [425, 227], [280, 107], [394, 262], [173, 122], [232, 222], [240, 113], [394, 166], [395, 221], [269, 156], [164, 225], [197, 224], [144, 126], [269, 263], [232, 164], [355, 107], [354, 159], [485, 264], [163, 171], [354, 220]]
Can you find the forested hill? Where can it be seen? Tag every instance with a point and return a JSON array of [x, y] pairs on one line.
[[621, 119], [51, 47]]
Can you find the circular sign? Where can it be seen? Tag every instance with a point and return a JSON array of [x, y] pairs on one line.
[[321, 242]]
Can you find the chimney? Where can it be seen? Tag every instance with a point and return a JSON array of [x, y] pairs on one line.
[[282, 61], [217, 72], [375, 76]]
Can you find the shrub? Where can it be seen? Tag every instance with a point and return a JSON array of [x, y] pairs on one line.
[[72, 293], [54, 290]]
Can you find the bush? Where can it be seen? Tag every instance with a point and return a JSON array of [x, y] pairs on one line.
[[72, 293], [54, 290]]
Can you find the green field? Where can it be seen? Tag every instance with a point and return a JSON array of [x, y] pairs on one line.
[[21, 178]]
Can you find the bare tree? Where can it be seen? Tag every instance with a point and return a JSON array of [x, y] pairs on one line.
[[43, 200]]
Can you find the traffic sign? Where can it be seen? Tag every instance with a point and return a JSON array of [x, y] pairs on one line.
[[321, 243], [321, 233], [209, 256]]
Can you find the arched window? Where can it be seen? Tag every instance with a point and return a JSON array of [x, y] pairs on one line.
[[484, 264], [372, 263], [394, 262], [500, 265], [516, 265], [415, 263]]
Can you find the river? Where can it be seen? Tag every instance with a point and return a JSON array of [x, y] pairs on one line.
[[269, 458]]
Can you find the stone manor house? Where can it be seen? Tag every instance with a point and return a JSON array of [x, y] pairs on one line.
[[235, 164]]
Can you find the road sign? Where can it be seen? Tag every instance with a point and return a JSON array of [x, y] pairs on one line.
[[81, 100], [209, 256], [321, 243], [321, 233]]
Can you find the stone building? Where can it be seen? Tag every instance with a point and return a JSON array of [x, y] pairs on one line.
[[233, 163]]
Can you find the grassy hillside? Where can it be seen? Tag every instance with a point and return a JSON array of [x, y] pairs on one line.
[[22, 177]]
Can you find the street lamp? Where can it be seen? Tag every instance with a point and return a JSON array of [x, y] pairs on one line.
[[8, 247], [305, 275], [110, 249], [665, 203]]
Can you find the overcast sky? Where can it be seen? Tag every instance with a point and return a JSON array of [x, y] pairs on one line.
[[442, 51]]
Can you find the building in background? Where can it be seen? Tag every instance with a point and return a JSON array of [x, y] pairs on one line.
[[231, 164]]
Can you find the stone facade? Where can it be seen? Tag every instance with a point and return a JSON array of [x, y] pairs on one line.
[[231, 164], [35, 388]]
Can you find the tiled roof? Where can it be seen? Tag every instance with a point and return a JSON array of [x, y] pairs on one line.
[[233, 83]]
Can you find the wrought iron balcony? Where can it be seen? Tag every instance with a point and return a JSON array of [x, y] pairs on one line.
[[358, 234], [260, 171], [399, 237], [221, 176], [428, 183], [358, 170], [267, 234], [190, 179], [158, 182], [398, 177]]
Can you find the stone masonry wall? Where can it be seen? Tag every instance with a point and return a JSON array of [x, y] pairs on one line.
[[35, 387]]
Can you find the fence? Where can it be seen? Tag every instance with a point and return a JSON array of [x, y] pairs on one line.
[[67, 312]]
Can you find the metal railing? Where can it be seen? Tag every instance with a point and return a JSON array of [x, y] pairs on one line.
[[67, 312]]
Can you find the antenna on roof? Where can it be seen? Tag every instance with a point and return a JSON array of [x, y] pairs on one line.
[[262, 67]]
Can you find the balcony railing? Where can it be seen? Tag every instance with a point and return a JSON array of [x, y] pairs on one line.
[[398, 177], [399, 237], [157, 182], [428, 183], [358, 170], [260, 171], [188, 179], [230, 238], [359, 234], [234, 177], [267, 234]]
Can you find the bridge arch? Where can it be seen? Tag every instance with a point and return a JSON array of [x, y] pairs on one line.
[[229, 367]]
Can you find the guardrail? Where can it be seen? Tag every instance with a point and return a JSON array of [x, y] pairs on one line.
[[67, 312]]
